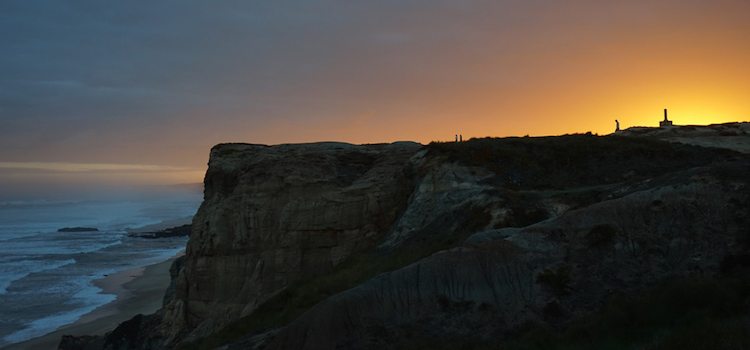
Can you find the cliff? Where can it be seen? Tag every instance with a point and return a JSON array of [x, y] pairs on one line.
[[274, 215], [498, 280], [330, 245]]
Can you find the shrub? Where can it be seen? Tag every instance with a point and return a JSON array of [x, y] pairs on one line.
[[477, 220], [552, 310], [601, 236], [528, 216], [686, 314], [734, 263], [558, 281]]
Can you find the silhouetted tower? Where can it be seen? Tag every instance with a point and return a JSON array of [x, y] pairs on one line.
[[666, 123]]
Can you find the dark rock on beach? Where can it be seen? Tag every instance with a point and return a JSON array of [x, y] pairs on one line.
[[78, 229], [178, 231], [70, 342]]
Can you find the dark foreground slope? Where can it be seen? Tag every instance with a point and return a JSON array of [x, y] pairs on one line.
[[459, 245]]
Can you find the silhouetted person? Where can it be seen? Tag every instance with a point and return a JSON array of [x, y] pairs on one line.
[[618, 125], [461, 138], [456, 137]]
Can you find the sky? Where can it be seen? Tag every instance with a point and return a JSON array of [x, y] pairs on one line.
[[135, 92]]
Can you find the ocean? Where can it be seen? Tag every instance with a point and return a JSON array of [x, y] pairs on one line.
[[46, 276]]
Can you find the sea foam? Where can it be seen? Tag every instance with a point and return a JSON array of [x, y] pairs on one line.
[[46, 277]]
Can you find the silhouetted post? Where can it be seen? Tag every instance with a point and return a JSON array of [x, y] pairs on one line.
[[665, 123]]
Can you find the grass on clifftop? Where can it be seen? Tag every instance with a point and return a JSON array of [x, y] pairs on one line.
[[570, 161]]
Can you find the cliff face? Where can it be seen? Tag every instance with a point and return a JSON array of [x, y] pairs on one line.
[[274, 215], [493, 282], [521, 229]]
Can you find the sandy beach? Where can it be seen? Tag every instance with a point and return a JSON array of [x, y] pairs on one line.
[[138, 291]]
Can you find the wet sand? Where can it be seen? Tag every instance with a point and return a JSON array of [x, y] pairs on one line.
[[138, 291]]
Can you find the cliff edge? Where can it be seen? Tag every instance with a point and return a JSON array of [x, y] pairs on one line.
[[332, 245]]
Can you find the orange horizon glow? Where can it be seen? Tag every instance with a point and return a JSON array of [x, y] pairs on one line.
[[384, 72], [699, 83]]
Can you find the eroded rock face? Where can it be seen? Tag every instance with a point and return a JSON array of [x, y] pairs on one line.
[[492, 283], [276, 215], [445, 196], [273, 215]]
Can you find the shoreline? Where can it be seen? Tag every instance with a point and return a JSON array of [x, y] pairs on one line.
[[162, 225], [138, 291]]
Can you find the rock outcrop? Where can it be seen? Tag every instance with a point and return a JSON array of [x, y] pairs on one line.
[[274, 215], [179, 231], [521, 229], [78, 229], [496, 281], [734, 136]]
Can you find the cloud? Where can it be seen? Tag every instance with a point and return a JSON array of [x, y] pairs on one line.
[[86, 167], [53, 179], [160, 82]]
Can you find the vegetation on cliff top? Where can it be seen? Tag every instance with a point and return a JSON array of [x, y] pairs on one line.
[[572, 161]]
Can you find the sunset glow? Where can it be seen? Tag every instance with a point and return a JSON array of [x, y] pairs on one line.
[[83, 167], [108, 84]]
